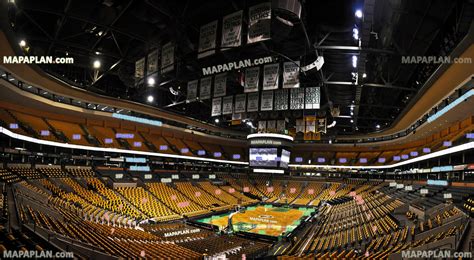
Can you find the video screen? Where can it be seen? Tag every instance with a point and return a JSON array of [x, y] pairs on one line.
[[263, 157], [285, 158]]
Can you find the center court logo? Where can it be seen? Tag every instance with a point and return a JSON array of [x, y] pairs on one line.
[[37, 60]]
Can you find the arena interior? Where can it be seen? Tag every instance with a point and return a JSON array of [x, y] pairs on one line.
[[238, 129]]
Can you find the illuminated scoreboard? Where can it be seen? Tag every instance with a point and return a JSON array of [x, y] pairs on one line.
[[269, 153]]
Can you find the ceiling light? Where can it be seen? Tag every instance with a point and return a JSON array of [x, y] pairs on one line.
[[22, 43], [352, 120], [354, 61], [216, 120], [358, 13], [355, 33], [151, 81], [364, 75], [150, 98], [377, 126], [97, 53], [96, 64], [352, 113]]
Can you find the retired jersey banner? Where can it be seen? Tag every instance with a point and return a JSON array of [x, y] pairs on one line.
[[312, 98], [260, 17], [321, 125], [227, 105], [251, 79], [267, 101], [152, 64], [297, 98], [167, 57], [192, 91], [205, 88], [240, 103], [280, 127], [281, 99], [300, 125], [270, 76], [207, 39], [220, 83], [140, 68], [310, 124], [216, 107], [232, 30], [262, 126], [252, 102], [271, 125], [291, 74]]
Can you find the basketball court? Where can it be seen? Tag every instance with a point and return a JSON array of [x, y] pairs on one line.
[[263, 219]]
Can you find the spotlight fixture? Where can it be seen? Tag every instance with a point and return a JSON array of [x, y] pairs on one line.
[[216, 120], [151, 81], [96, 64], [364, 75], [150, 98], [174, 91], [22, 43], [358, 13], [377, 126]]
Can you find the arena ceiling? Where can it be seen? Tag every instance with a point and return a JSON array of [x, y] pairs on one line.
[[120, 32]]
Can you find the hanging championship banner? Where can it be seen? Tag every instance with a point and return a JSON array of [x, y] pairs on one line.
[[152, 64], [192, 91], [291, 74], [297, 98], [252, 102], [207, 39], [251, 79], [167, 57], [140, 68], [240, 102], [216, 107], [280, 126], [300, 126], [220, 83], [281, 99], [227, 105], [271, 125], [312, 98], [270, 76], [267, 101], [262, 126], [232, 30], [259, 22], [205, 89]]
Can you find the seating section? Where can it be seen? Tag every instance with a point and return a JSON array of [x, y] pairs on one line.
[[200, 196], [148, 204], [8, 176], [54, 172], [175, 199], [26, 173], [81, 172]]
